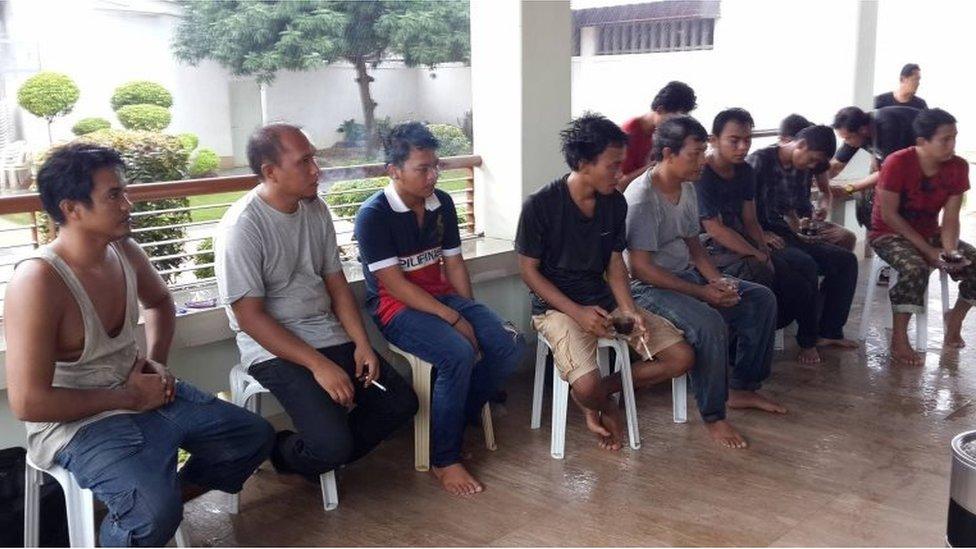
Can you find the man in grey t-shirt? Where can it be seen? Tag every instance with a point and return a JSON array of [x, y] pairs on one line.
[[298, 325], [675, 278]]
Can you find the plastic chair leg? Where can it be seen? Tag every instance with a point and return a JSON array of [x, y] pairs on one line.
[[679, 398], [330, 492], [421, 421], [541, 353], [560, 401]]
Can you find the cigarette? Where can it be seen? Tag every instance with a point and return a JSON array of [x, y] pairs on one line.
[[646, 350], [378, 385]]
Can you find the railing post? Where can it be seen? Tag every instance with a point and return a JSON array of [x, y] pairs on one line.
[[469, 197], [34, 235]]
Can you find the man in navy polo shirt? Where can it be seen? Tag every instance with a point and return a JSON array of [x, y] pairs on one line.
[[419, 293]]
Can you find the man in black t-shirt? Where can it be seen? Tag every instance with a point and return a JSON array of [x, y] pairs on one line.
[[904, 96], [736, 241], [880, 133], [571, 235]]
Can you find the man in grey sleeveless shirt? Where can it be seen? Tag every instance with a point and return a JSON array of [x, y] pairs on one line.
[[92, 401]]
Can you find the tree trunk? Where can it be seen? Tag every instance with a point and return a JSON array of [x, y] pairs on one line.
[[50, 140], [369, 106], [263, 87]]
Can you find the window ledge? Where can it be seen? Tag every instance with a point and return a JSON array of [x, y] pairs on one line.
[[486, 258]]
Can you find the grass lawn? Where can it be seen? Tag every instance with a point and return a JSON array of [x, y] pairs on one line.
[[212, 214]]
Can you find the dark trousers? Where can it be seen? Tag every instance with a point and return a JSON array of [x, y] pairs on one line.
[[328, 434], [839, 269]]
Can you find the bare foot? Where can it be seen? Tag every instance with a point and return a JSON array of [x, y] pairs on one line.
[[953, 331], [809, 356], [613, 422], [722, 432], [841, 343], [593, 423], [751, 399], [903, 353], [457, 480]]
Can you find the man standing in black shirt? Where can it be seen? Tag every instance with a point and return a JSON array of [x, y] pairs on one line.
[[904, 96], [778, 168], [571, 236]]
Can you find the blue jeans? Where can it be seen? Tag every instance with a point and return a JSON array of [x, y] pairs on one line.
[[129, 462], [461, 386], [745, 331]]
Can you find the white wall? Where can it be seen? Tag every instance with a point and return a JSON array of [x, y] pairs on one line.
[[762, 61], [776, 57], [939, 37], [102, 48], [322, 99]]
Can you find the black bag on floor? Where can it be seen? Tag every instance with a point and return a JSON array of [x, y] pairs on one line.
[[54, 521]]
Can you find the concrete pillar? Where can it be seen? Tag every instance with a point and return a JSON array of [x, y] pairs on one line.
[[865, 45], [520, 87]]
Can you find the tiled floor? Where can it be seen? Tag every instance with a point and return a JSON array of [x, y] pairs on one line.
[[861, 459]]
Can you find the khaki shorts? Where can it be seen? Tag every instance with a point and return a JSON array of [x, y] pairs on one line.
[[574, 349]]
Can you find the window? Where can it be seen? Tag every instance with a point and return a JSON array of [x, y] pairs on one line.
[[646, 28]]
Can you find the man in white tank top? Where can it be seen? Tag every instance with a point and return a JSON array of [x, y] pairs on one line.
[[91, 400]]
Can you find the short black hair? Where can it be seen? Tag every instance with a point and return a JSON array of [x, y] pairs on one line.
[[405, 137], [851, 119], [675, 97], [819, 139], [671, 134], [264, 145], [67, 174], [735, 114], [927, 122], [908, 69], [792, 124], [586, 137]]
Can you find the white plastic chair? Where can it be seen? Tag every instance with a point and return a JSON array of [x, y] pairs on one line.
[[560, 392], [79, 504], [421, 421], [246, 393], [921, 319]]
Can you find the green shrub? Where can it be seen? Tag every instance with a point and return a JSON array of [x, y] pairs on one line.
[[48, 95], [353, 133], [452, 138], [202, 259], [338, 201], [148, 157], [88, 125], [190, 141], [205, 162], [141, 92], [144, 117]]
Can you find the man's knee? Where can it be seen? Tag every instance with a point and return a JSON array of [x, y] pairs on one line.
[[329, 448], [680, 358]]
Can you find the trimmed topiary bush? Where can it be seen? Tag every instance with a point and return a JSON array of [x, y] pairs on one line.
[[205, 162], [149, 157], [141, 92], [89, 125], [452, 138], [338, 202], [48, 95], [144, 117], [189, 140]]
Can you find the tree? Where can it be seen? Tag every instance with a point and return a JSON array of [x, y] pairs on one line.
[[48, 95], [259, 38]]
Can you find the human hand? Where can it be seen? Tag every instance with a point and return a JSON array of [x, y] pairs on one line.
[[147, 391], [153, 367], [594, 319], [367, 364], [773, 240], [336, 382]]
